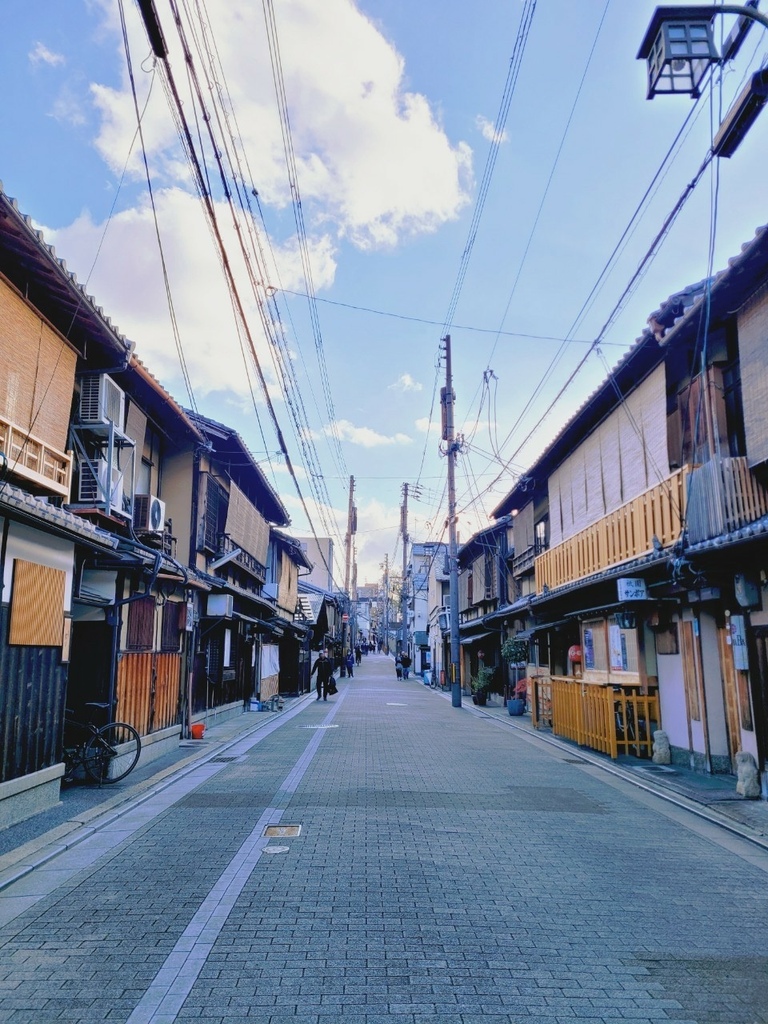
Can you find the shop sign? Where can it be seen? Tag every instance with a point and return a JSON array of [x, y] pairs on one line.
[[631, 589], [738, 633]]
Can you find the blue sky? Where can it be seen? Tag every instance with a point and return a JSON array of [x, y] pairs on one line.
[[391, 106]]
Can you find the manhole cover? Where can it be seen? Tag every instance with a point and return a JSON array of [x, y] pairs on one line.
[[662, 769], [395, 704], [276, 849], [282, 831]]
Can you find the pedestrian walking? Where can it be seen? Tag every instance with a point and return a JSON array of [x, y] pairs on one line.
[[324, 670], [406, 663], [399, 667], [358, 654], [350, 665]]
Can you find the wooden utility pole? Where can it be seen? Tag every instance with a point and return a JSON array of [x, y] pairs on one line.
[[386, 602], [351, 531], [447, 401], [404, 584]]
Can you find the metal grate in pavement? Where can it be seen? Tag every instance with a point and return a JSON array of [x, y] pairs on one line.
[[282, 831]]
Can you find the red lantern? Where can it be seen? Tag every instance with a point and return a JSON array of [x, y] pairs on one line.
[[574, 653]]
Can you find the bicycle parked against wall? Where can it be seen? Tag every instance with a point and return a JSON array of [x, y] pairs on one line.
[[106, 754]]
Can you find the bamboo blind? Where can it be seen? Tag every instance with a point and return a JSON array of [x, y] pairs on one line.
[[246, 526], [753, 355], [623, 457], [37, 605], [37, 386]]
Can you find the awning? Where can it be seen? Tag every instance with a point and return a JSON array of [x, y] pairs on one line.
[[466, 640]]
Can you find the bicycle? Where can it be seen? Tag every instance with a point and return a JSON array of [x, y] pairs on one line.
[[106, 754]]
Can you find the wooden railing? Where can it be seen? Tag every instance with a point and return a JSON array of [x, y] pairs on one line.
[[626, 533], [723, 495], [603, 719], [28, 457]]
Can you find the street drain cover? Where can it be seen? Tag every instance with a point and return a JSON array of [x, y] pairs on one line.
[[224, 760], [276, 849], [282, 831], [319, 727], [395, 704]]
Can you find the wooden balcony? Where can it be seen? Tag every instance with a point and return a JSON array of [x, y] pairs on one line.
[[723, 495], [625, 534], [32, 460]]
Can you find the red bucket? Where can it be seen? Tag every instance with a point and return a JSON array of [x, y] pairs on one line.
[[198, 730]]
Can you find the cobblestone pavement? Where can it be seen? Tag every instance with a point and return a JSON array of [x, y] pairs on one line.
[[446, 870]]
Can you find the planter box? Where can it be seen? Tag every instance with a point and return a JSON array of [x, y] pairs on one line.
[[516, 706]]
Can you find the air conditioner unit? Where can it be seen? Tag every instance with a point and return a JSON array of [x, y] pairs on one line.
[[101, 401], [92, 487], [220, 604], [148, 513]]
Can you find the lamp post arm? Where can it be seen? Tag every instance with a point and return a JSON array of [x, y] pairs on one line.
[[746, 12]]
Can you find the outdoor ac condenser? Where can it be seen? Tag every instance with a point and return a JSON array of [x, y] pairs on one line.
[[148, 513], [101, 401]]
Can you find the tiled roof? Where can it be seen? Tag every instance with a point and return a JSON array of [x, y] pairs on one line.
[[26, 505]]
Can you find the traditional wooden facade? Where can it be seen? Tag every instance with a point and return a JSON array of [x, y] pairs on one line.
[[641, 537]]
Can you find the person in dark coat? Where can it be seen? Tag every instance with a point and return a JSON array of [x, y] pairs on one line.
[[398, 667], [350, 665], [324, 670]]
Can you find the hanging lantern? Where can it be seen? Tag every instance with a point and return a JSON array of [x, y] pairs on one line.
[[678, 48]]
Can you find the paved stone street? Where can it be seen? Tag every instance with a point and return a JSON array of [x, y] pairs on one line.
[[446, 870]]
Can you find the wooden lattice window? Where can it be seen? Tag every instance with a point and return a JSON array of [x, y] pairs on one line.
[[141, 624], [174, 613], [37, 605]]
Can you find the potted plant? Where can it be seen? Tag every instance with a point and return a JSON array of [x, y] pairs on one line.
[[516, 703], [479, 684], [515, 651]]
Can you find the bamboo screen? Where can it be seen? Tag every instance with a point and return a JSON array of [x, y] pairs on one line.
[[246, 526], [753, 355], [37, 605], [624, 456], [37, 385], [289, 590]]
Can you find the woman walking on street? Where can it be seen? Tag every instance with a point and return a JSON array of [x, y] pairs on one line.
[[350, 665]]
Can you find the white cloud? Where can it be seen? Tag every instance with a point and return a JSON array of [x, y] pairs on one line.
[[488, 130], [372, 158], [208, 331], [423, 425], [405, 382], [364, 436], [40, 54]]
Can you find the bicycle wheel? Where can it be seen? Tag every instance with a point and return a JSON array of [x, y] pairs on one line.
[[112, 752]]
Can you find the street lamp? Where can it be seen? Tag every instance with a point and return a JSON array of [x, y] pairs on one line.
[[679, 47]]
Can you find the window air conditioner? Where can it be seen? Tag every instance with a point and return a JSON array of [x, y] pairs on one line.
[[148, 513], [101, 401], [92, 487]]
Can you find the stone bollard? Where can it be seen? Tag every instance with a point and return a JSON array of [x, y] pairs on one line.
[[661, 752], [748, 784]]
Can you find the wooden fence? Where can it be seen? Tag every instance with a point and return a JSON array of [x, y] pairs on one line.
[[595, 716]]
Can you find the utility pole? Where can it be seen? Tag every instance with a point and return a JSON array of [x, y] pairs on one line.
[[404, 585], [386, 602], [447, 401], [351, 531]]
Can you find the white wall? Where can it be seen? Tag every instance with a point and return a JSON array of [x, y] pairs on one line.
[[33, 545]]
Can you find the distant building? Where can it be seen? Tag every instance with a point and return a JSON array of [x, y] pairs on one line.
[[320, 553]]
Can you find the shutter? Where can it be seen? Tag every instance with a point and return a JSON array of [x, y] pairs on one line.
[[37, 605]]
